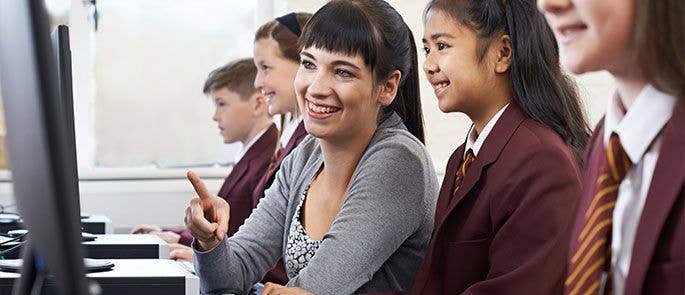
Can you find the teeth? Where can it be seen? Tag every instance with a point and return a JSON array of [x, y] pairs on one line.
[[320, 109], [441, 85]]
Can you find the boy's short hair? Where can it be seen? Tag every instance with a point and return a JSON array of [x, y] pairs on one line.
[[238, 76]]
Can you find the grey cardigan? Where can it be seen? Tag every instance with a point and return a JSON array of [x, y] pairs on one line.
[[375, 243]]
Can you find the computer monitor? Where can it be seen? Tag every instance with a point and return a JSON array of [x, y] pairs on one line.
[[62, 52], [37, 140]]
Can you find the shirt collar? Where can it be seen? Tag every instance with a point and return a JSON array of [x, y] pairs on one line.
[[289, 130], [642, 123], [475, 141], [247, 147]]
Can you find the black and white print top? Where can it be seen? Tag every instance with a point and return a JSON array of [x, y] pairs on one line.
[[300, 248]]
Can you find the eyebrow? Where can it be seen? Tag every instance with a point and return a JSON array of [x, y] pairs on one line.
[[334, 63], [437, 36]]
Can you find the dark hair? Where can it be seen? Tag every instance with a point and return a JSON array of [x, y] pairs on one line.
[[286, 39], [660, 42], [238, 76], [540, 88], [375, 31]]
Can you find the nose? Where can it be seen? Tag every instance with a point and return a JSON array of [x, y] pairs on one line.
[[259, 80], [319, 86], [215, 117], [553, 6], [430, 67]]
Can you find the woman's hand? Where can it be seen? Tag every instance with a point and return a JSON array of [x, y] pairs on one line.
[[206, 216], [181, 253]]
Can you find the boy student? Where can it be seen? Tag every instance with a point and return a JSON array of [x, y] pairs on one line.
[[242, 115]]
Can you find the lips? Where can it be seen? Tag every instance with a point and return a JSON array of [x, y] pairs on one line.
[[569, 32], [440, 87], [269, 95], [320, 111]]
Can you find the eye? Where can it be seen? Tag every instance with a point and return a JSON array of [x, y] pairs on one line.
[[265, 68], [442, 46], [307, 64], [426, 50], [343, 73]]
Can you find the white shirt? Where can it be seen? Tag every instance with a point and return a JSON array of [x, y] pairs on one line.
[[475, 141], [289, 130], [640, 132], [247, 147]]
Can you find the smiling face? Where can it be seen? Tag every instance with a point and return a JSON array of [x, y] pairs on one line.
[[593, 35], [336, 94], [459, 79], [275, 75]]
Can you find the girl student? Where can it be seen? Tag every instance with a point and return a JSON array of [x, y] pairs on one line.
[[503, 213], [628, 236]]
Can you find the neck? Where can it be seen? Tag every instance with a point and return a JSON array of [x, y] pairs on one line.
[[341, 159], [256, 128], [483, 116], [629, 88]]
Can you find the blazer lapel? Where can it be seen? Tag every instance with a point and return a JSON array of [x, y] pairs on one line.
[[256, 150], [236, 173], [492, 147], [667, 181], [448, 183]]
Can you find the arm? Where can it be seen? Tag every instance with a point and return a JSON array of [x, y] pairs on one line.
[[236, 263], [385, 205], [532, 226]]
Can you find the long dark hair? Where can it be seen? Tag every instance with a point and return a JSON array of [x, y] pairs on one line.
[[375, 31], [541, 89]]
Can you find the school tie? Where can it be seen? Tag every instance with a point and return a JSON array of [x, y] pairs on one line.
[[461, 172], [592, 257]]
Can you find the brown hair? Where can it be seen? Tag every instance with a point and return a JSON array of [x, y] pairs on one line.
[[238, 76], [660, 42], [286, 39]]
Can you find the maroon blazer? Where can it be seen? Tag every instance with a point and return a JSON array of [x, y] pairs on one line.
[[268, 178], [240, 183], [657, 265], [277, 274], [507, 229]]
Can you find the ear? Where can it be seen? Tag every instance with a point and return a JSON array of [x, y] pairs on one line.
[[259, 105], [388, 89], [504, 53]]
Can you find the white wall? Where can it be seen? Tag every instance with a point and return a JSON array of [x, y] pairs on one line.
[[146, 195]]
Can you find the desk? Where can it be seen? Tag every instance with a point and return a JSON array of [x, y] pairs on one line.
[[133, 277], [117, 247], [95, 224]]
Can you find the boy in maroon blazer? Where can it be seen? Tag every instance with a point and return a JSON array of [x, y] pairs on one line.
[[241, 114]]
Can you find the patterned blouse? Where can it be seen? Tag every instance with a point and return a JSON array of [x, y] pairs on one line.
[[300, 248]]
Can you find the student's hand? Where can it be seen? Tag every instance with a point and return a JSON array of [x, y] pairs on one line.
[[145, 229], [276, 289], [181, 253], [168, 236], [206, 216]]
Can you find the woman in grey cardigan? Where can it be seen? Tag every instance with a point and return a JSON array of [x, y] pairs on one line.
[[351, 209]]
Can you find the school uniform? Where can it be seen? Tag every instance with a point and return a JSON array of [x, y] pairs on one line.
[[503, 227], [637, 245], [237, 189], [292, 135]]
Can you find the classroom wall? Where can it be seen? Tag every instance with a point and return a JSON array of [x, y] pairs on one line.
[[131, 198]]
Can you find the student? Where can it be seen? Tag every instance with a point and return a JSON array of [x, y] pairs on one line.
[[501, 222], [277, 57], [242, 116], [351, 209], [630, 239]]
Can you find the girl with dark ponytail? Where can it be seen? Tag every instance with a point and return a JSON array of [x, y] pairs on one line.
[[509, 191], [351, 209]]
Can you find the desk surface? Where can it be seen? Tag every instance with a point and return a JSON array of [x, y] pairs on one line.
[[139, 269]]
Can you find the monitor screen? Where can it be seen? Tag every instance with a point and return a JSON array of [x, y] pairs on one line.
[[38, 145]]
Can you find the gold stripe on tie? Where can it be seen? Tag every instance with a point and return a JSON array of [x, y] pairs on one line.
[[592, 234], [587, 273], [605, 191], [595, 215], [585, 260]]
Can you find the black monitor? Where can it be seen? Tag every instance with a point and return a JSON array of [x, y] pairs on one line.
[[62, 52], [37, 140]]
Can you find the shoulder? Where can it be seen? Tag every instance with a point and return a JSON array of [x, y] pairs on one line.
[[533, 141]]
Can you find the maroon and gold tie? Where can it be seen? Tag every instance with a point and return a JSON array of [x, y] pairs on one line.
[[461, 173], [592, 256]]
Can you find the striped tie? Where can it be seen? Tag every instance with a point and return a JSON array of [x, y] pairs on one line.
[[592, 253], [459, 178]]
